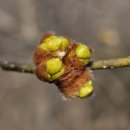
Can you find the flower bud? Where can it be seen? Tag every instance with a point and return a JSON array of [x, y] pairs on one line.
[[54, 65], [62, 61], [83, 52], [58, 74], [86, 90], [53, 43], [43, 46], [64, 42]]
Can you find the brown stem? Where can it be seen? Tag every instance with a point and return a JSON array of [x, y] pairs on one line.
[[95, 65]]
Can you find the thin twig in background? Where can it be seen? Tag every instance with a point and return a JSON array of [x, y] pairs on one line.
[[95, 65]]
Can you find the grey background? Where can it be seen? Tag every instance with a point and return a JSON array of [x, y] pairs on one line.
[[29, 104]]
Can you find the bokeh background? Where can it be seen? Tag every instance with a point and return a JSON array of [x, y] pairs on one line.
[[29, 104]]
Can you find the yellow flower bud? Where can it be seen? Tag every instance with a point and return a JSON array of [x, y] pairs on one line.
[[53, 43], [58, 74], [43, 46], [53, 65], [82, 51], [65, 43], [86, 90]]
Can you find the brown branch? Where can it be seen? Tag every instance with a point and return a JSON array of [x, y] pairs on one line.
[[95, 65]]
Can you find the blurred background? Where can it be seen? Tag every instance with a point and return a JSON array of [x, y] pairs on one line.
[[29, 104]]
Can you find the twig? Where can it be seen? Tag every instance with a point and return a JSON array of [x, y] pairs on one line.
[[13, 66], [110, 63], [95, 65]]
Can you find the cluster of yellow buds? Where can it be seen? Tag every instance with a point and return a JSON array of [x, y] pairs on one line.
[[63, 61]]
